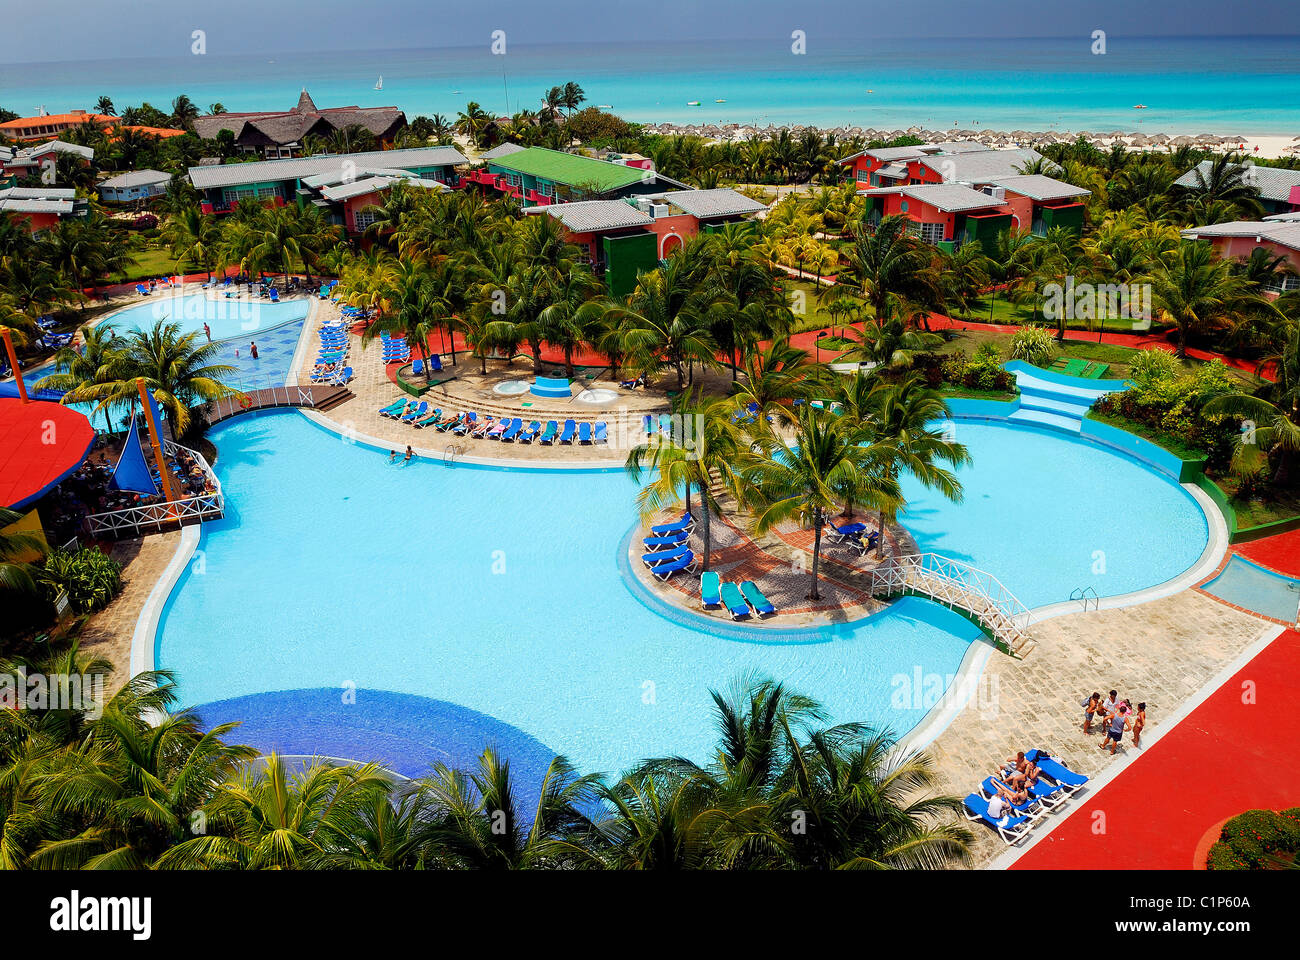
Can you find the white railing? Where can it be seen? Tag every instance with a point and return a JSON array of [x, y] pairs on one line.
[[956, 584], [154, 516]]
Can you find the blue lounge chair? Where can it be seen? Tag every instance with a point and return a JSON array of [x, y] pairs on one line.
[[602, 433], [710, 590], [345, 376], [762, 606], [494, 432], [419, 410], [435, 363], [1011, 829], [584, 434], [275, 295], [1062, 776], [664, 556], [845, 533], [529, 433], [548, 435], [1031, 808], [512, 431], [734, 602], [687, 522], [672, 540], [417, 365], [392, 408], [666, 570], [570, 428], [465, 425]]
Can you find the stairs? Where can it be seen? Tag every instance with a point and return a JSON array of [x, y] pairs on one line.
[[1050, 403]]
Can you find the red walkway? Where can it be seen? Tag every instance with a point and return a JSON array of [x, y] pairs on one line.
[[1226, 757], [1280, 553]]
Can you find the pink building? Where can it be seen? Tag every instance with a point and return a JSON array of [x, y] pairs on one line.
[[1238, 239]]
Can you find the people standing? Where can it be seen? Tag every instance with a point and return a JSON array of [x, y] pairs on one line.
[[252, 349], [208, 331], [1091, 707], [1115, 729], [1139, 721]]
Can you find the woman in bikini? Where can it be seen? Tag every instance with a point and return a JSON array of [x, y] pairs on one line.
[[1091, 707], [1139, 721]]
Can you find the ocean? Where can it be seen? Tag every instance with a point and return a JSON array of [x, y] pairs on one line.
[[1232, 86]]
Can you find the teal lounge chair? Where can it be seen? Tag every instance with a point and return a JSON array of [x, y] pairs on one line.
[[734, 602], [548, 435], [762, 606], [710, 595]]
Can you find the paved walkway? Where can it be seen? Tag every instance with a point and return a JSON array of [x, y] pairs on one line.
[[1234, 752], [1280, 553], [1161, 653]]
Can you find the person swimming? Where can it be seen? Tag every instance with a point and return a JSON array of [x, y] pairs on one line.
[[392, 456], [410, 454]]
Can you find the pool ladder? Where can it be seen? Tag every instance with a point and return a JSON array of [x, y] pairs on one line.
[[450, 454], [1086, 596]]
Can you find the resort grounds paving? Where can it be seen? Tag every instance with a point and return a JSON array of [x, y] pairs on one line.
[[1280, 553], [1160, 653], [109, 632], [1234, 752]]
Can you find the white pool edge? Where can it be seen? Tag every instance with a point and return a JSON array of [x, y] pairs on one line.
[[144, 639]]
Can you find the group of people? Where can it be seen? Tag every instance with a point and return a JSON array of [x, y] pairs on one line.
[[1016, 778], [410, 455], [1116, 717]]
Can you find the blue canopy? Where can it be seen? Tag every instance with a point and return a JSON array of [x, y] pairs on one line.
[[132, 471]]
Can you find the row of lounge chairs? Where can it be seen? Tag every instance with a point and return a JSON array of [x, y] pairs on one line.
[[331, 359], [1056, 784], [670, 553], [419, 414]]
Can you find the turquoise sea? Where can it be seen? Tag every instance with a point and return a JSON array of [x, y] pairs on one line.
[[1233, 86]]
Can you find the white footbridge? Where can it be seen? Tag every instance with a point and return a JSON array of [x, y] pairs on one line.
[[958, 585]]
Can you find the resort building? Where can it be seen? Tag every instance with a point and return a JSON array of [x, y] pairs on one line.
[[51, 125], [279, 134], [355, 204], [41, 207], [24, 162], [300, 180], [537, 176], [624, 237], [956, 192], [1279, 189], [1238, 239], [133, 186]]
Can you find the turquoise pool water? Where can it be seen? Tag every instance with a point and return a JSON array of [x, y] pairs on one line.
[[228, 319], [1251, 586], [1047, 513], [499, 592]]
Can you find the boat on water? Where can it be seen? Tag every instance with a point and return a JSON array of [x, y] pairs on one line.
[[604, 106], [1139, 106], [719, 101], [692, 103], [379, 84]]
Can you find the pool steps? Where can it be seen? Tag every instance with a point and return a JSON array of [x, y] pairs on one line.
[[1052, 403]]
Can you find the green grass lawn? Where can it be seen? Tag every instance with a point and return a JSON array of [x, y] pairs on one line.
[[1001, 310], [154, 262]]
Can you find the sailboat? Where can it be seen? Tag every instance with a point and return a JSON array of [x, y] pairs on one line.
[[379, 84], [692, 103]]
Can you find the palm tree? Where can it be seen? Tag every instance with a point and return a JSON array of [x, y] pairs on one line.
[[104, 106], [193, 238], [477, 822], [808, 476], [901, 426], [664, 321], [96, 364], [571, 97], [1225, 180], [706, 455], [472, 121], [179, 371], [184, 112], [573, 313], [1196, 289], [272, 819], [884, 260], [16, 575]]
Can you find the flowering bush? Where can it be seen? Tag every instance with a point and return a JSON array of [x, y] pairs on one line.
[[1033, 345], [983, 371], [1250, 840]]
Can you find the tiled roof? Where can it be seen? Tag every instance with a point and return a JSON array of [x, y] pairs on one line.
[[38, 200], [1037, 187], [1285, 233], [262, 171], [573, 170], [721, 202], [948, 197], [982, 166], [359, 188], [136, 178], [58, 146], [586, 216], [1274, 183], [504, 150], [893, 171], [886, 154], [21, 124]]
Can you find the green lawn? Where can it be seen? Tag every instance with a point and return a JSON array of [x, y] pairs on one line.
[[154, 262]]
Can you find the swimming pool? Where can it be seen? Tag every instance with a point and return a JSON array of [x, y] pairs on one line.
[[228, 319], [499, 592]]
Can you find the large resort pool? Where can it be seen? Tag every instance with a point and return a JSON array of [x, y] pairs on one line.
[[431, 609]]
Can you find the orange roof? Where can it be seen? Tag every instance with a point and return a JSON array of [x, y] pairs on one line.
[[163, 132], [79, 116]]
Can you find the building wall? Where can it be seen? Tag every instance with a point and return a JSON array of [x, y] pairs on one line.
[[1234, 247], [625, 257], [683, 227]]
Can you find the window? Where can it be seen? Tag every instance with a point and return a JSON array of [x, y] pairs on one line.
[[932, 232], [364, 218], [264, 192], [545, 188], [903, 206], [865, 177], [241, 193]]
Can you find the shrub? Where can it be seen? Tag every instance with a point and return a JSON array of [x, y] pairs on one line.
[[1153, 366], [146, 221], [1033, 345], [91, 578], [1249, 841], [983, 371]]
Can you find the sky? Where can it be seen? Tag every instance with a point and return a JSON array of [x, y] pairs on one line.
[[56, 30]]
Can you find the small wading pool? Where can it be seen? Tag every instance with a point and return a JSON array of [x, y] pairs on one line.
[[511, 388], [1249, 585], [596, 396]]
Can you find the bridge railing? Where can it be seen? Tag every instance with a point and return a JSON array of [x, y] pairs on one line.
[[956, 583]]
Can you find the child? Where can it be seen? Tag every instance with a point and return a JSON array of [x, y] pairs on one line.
[[1091, 706]]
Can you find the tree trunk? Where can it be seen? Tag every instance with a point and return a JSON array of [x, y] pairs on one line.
[[814, 594], [568, 360], [880, 535]]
